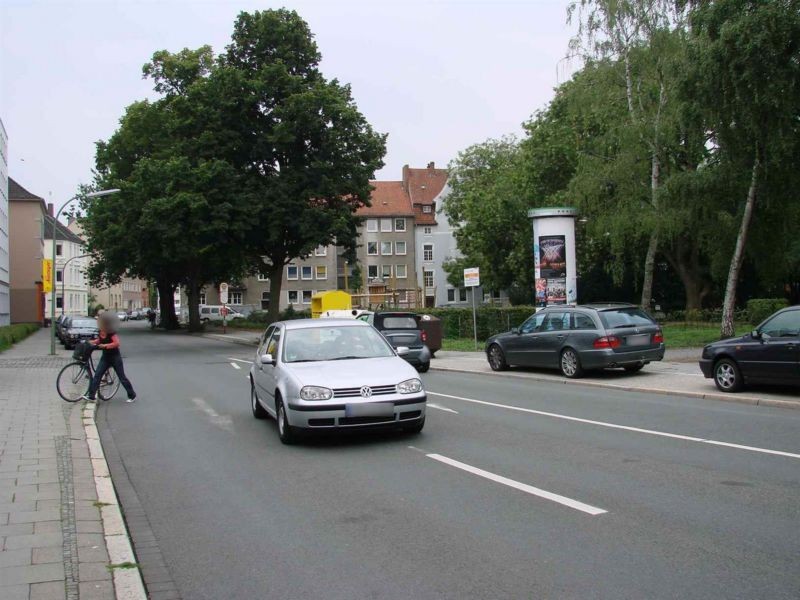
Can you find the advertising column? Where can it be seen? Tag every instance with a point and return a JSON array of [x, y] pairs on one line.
[[554, 255]]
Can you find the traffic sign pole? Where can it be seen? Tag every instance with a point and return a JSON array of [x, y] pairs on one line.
[[472, 279]]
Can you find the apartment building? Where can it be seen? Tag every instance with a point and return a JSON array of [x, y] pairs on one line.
[[26, 212], [70, 281], [5, 275]]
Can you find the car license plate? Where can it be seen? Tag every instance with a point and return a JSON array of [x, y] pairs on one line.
[[369, 409], [639, 340]]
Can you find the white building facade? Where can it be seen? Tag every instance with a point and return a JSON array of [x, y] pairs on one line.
[[5, 273], [70, 281]]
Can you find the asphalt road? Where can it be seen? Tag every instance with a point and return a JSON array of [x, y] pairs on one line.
[[584, 493]]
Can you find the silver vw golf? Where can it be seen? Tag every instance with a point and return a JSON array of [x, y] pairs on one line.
[[333, 374]]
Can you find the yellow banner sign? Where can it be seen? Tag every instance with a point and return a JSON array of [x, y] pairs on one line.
[[47, 275]]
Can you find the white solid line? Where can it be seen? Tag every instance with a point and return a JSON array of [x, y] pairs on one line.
[[676, 436], [444, 408], [235, 366], [247, 362], [587, 508]]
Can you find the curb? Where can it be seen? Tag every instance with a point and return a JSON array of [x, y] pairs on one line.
[[736, 398], [128, 583]]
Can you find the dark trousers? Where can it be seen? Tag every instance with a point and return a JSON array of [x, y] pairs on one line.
[[106, 362]]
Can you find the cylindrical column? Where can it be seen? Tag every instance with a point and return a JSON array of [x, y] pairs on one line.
[[554, 255]]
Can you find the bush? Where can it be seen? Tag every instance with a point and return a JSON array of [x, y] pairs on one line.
[[759, 309], [702, 315], [12, 334]]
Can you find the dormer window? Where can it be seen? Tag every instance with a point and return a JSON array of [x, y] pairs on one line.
[[427, 208]]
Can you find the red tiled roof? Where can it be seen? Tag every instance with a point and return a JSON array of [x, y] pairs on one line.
[[389, 198], [423, 186]]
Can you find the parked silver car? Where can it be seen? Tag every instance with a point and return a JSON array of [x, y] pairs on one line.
[[575, 339], [333, 374]]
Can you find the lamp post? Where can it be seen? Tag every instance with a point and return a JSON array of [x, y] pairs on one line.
[[53, 290], [64, 277]]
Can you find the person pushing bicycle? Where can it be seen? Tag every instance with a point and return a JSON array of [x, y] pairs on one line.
[[108, 342]]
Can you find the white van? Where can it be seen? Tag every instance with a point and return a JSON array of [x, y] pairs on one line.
[[209, 312]]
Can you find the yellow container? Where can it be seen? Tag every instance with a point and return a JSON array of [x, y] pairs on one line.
[[333, 300]]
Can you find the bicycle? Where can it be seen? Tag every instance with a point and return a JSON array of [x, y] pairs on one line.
[[73, 380]]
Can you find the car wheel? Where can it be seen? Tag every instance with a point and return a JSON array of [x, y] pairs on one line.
[[415, 427], [286, 432], [727, 375], [570, 364], [497, 359], [259, 412], [423, 368], [634, 368]]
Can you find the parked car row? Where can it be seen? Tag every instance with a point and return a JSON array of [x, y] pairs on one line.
[[73, 329]]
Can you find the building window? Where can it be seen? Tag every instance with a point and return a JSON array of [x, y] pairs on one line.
[[372, 225], [202, 297], [427, 252], [427, 277], [386, 271], [321, 251], [400, 248], [59, 250], [386, 248], [322, 272], [372, 271], [291, 271], [59, 275], [451, 294], [372, 248], [263, 277], [495, 294], [307, 296], [462, 294], [307, 272], [401, 271], [426, 230], [427, 208], [59, 302], [386, 225], [292, 296], [236, 298], [264, 300], [399, 224]]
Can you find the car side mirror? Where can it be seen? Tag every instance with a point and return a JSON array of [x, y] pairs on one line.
[[266, 359], [403, 351], [755, 334], [515, 330]]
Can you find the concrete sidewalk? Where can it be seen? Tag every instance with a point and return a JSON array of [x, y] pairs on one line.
[[55, 534], [678, 374]]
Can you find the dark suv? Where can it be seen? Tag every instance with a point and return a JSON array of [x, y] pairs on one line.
[[402, 329], [579, 338]]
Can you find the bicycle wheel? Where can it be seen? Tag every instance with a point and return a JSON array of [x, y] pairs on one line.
[[73, 381], [109, 385]]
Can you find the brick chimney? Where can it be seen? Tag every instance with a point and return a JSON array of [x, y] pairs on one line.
[[50, 208], [405, 177], [431, 165]]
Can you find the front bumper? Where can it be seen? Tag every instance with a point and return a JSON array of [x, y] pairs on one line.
[[418, 356], [707, 367], [312, 415], [606, 358]]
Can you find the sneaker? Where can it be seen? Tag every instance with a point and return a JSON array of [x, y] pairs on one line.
[[129, 400], [87, 398]]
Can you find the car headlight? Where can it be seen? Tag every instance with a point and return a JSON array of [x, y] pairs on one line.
[[313, 392], [409, 386]]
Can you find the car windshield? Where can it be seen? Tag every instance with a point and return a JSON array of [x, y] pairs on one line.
[[625, 317], [400, 322], [334, 343], [83, 323]]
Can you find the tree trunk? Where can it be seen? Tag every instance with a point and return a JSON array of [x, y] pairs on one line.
[[655, 182], [193, 300], [275, 284], [728, 306], [649, 268], [166, 292]]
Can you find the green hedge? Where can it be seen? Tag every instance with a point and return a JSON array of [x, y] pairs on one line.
[[759, 309], [457, 322], [703, 315], [12, 334]]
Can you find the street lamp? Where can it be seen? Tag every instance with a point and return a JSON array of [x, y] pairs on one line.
[[53, 290]]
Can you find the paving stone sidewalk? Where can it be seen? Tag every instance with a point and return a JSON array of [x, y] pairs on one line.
[[51, 535]]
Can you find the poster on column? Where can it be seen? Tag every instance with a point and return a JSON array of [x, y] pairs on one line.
[[557, 291], [552, 257], [541, 292]]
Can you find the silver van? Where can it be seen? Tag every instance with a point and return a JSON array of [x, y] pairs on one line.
[[209, 312]]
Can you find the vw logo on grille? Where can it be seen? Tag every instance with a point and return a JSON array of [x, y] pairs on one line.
[[366, 391]]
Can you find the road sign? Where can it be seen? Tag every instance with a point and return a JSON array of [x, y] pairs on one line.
[[223, 293], [47, 275], [472, 277]]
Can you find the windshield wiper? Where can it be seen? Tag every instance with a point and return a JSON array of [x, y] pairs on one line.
[[627, 326], [304, 360], [347, 357]]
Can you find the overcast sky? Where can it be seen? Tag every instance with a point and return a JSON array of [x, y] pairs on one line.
[[435, 76]]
